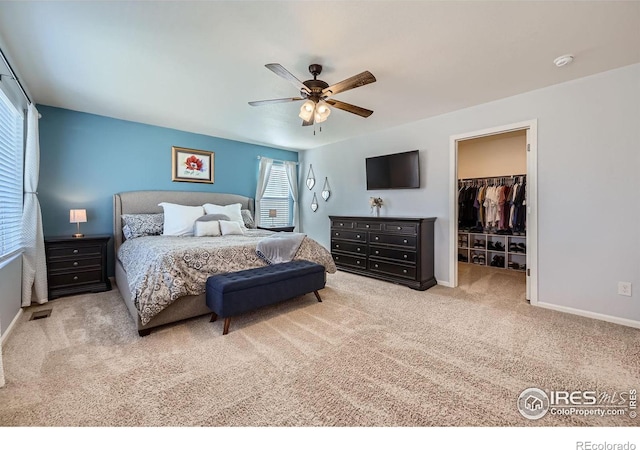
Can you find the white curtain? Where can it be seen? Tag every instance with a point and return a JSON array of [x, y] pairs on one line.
[[292, 177], [264, 171], [34, 266]]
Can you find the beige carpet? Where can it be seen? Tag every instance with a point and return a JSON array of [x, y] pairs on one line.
[[372, 354]]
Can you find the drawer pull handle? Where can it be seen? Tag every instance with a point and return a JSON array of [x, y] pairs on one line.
[[337, 245], [75, 278], [337, 258], [376, 266], [405, 256], [75, 250], [404, 240], [337, 234], [377, 238], [367, 226], [358, 236], [341, 224], [377, 252], [358, 249], [399, 228], [75, 263], [357, 262], [404, 271]]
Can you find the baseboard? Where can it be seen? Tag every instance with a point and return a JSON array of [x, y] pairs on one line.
[[444, 283], [591, 315], [7, 332]]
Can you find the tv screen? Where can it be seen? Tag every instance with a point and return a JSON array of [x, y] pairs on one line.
[[396, 171]]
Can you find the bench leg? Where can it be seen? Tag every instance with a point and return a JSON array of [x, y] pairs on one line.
[[214, 316], [227, 321], [317, 296]]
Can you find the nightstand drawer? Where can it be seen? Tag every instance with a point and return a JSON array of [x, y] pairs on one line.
[[73, 263], [61, 251], [353, 261], [79, 277]]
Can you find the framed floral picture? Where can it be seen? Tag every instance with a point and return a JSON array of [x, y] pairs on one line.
[[191, 165]]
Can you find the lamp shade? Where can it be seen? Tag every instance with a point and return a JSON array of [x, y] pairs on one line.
[[306, 110], [322, 111], [77, 215], [273, 213]]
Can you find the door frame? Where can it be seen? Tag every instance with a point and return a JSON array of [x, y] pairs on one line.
[[531, 127]]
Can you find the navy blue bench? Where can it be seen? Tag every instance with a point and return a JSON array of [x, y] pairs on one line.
[[235, 293]]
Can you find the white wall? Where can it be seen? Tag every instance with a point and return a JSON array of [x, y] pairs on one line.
[[493, 156], [588, 184]]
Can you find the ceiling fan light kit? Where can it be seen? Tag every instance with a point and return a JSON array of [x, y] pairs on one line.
[[317, 93]]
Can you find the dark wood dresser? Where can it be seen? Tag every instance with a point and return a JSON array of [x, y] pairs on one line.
[[76, 265], [395, 249]]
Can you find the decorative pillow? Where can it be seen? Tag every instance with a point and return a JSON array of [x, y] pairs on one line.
[[212, 217], [230, 227], [138, 225], [247, 218], [179, 219], [206, 228], [208, 225], [233, 211]]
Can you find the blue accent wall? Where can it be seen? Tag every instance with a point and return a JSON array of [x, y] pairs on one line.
[[85, 159]]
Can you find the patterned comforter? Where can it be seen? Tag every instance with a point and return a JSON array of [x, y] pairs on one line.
[[161, 269]]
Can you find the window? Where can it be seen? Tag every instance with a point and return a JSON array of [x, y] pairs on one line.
[[276, 197], [11, 155]]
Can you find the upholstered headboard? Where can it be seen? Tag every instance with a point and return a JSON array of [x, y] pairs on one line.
[[146, 202]]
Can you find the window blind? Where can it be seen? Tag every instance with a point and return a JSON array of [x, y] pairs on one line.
[[276, 196], [11, 176]]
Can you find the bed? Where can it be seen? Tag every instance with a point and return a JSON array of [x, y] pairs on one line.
[[162, 278]]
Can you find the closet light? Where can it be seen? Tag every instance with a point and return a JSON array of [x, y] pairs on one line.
[[563, 60]]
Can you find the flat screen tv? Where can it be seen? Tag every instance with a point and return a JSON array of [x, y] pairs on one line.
[[396, 171]]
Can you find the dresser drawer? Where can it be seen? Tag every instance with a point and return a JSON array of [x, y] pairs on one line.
[[79, 277], [399, 255], [404, 228], [372, 226], [405, 241], [342, 246], [348, 260], [61, 251], [360, 236], [346, 224], [393, 269], [73, 263]]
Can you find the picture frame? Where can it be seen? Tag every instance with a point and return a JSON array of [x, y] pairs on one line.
[[193, 166]]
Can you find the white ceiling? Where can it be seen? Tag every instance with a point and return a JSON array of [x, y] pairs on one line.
[[193, 66]]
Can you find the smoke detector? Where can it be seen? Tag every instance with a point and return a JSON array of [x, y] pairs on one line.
[[563, 60]]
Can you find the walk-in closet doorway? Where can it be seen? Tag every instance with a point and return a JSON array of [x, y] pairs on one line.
[[487, 246]]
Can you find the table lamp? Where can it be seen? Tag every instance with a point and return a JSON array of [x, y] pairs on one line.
[[78, 216]]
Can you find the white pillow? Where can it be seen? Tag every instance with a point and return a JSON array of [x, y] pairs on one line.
[[179, 219], [229, 227], [233, 211], [208, 228]]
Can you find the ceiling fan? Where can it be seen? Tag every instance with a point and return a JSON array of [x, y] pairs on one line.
[[318, 93]]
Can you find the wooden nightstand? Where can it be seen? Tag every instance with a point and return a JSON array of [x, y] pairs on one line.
[[76, 265], [287, 228]]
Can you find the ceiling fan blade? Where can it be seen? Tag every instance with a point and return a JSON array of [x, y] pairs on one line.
[[355, 81], [275, 100], [350, 108], [284, 73]]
